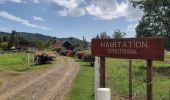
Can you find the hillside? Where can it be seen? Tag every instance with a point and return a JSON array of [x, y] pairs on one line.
[[39, 37], [30, 36]]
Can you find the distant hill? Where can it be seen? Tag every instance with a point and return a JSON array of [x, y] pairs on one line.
[[39, 37], [30, 36]]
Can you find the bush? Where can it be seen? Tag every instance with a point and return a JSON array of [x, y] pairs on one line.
[[80, 54], [69, 53], [89, 58], [44, 57], [86, 56]]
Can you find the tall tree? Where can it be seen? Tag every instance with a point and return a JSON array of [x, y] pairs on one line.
[[118, 34], [156, 18], [12, 40]]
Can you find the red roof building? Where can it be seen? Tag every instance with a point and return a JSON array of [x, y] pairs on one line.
[[58, 44]]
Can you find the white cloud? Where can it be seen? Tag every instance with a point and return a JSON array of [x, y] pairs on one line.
[[70, 4], [131, 27], [17, 1], [36, 1], [70, 7], [72, 12], [111, 9], [38, 18], [20, 20]]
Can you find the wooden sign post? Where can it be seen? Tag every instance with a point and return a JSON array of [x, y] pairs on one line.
[[149, 79], [102, 72], [130, 79], [129, 48]]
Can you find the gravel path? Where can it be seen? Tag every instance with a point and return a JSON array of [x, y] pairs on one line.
[[49, 85]]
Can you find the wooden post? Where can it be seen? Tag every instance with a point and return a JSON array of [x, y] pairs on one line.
[[28, 59], [149, 79], [102, 72], [130, 79]]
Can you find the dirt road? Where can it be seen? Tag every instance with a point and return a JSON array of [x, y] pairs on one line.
[[51, 84]]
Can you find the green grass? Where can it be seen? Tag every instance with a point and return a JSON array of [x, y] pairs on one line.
[[1, 83], [17, 62], [82, 86], [117, 78]]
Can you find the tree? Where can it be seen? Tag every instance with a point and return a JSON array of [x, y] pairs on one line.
[[15, 38], [102, 35], [85, 44], [53, 40], [118, 34], [156, 18]]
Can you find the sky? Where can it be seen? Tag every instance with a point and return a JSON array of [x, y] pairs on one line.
[[69, 18]]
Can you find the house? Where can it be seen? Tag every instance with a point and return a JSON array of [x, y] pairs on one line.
[[25, 47], [58, 45], [62, 44]]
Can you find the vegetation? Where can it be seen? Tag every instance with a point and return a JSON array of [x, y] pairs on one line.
[[82, 86], [17, 62], [117, 34], [44, 57], [117, 78], [156, 19], [1, 83], [19, 39]]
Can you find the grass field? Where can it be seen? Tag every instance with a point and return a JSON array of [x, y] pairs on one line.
[[17, 62], [117, 78], [1, 83], [82, 87]]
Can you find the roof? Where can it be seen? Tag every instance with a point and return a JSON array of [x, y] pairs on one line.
[[58, 44]]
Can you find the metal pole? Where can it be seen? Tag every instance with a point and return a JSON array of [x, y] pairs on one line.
[[130, 79], [102, 72], [149, 79]]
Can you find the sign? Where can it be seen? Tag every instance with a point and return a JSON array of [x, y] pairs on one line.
[[129, 48]]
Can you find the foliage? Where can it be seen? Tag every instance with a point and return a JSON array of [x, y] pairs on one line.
[[156, 15], [68, 53], [76, 43], [89, 58], [118, 34], [44, 57], [156, 18], [86, 56], [80, 54], [103, 35]]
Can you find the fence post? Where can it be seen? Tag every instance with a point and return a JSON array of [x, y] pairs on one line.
[[96, 76], [103, 94]]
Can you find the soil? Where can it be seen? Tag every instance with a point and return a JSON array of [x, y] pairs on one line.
[[48, 84]]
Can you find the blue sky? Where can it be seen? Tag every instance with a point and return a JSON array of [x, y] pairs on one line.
[[69, 18]]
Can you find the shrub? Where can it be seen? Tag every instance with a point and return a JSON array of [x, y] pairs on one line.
[[89, 58], [44, 57], [69, 53]]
